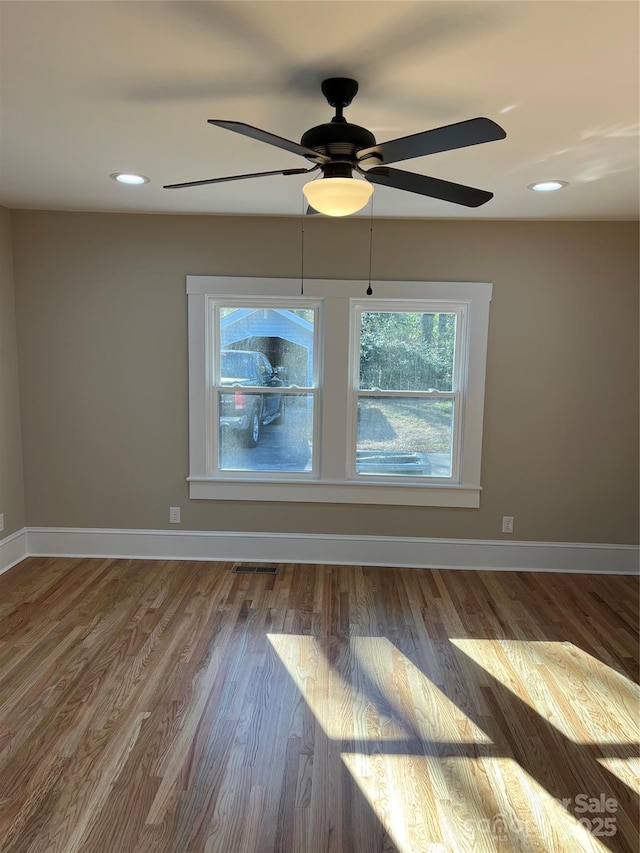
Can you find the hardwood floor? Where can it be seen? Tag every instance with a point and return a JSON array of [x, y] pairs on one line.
[[175, 707]]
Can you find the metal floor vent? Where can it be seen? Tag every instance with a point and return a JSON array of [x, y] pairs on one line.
[[255, 570]]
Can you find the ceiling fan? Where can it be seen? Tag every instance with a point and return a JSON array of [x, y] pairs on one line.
[[338, 149]]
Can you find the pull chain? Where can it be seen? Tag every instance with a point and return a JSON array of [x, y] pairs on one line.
[[370, 289], [302, 252]]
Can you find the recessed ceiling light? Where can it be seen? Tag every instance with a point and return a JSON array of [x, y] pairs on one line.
[[128, 178], [547, 186]]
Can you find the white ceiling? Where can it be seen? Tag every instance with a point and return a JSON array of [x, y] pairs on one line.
[[90, 88]]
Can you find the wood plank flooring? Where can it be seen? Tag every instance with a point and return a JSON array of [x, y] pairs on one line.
[[176, 707]]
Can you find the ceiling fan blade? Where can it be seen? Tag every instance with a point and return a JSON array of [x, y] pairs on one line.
[[423, 185], [270, 139], [474, 131], [238, 178]]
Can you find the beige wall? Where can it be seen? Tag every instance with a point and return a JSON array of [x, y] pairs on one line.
[[103, 364], [11, 475]]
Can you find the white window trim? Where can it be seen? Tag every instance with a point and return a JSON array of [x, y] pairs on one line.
[[334, 487]]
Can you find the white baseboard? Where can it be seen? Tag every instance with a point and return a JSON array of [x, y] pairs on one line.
[[585, 558], [13, 549]]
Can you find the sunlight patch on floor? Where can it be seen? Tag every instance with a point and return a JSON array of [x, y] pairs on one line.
[[626, 769], [554, 822], [397, 787], [429, 773], [449, 804], [370, 704], [602, 705]]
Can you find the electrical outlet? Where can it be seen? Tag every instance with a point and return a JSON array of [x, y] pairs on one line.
[[507, 524], [174, 515], [1, 522]]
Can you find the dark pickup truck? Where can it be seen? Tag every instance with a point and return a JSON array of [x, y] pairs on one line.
[[247, 412]]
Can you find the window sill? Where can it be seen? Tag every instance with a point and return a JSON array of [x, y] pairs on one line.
[[295, 491]]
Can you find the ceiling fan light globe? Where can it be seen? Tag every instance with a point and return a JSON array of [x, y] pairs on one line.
[[337, 196]]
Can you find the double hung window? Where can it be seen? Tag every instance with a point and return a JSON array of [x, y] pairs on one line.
[[263, 359], [408, 392], [335, 396]]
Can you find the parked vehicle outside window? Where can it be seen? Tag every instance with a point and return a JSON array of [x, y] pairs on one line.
[[246, 412]]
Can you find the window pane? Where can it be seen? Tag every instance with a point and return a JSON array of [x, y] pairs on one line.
[[265, 432], [404, 436], [283, 336], [407, 351]]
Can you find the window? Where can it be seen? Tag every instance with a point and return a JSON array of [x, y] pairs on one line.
[[336, 396], [407, 398], [264, 390]]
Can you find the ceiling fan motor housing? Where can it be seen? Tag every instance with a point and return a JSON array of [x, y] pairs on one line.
[[338, 140]]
